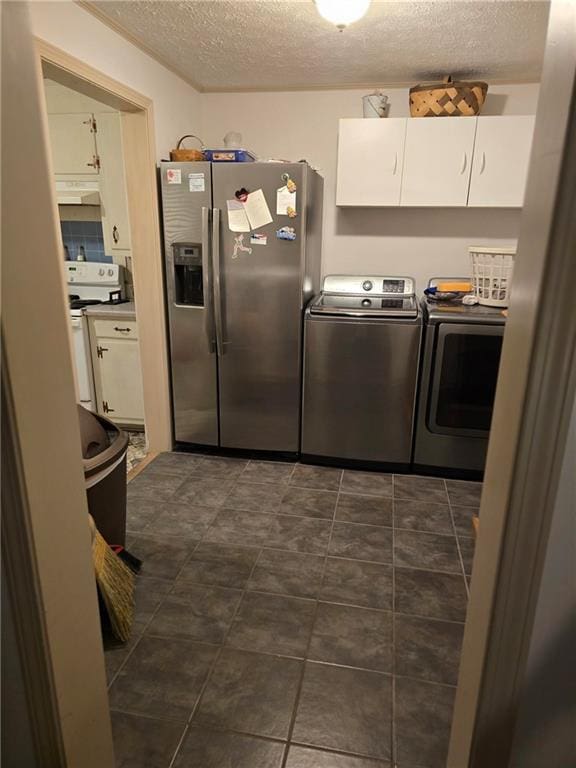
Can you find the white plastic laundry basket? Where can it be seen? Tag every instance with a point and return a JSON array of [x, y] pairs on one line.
[[492, 274]]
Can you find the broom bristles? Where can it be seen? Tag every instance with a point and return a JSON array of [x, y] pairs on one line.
[[116, 584]]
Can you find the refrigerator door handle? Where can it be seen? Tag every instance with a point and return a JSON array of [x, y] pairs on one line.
[[207, 282], [216, 280]]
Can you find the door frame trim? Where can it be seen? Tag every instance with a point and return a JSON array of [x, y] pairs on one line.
[[59, 705], [534, 401], [24, 592], [138, 135]]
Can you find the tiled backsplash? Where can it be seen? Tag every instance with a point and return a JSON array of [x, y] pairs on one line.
[[87, 234]]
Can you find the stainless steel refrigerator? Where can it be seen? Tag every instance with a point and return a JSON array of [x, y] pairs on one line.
[[236, 301]]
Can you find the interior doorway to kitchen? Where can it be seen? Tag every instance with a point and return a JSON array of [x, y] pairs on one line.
[[103, 161], [85, 138]]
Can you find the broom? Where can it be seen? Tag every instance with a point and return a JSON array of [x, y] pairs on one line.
[[115, 584], [133, 562]]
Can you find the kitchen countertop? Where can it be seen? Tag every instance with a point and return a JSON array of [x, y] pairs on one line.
[[112, 310]]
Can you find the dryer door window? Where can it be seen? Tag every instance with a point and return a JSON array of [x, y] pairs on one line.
[[465, 374]]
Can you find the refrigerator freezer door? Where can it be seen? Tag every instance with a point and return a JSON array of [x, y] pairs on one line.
[[186, 205], [261, 294]]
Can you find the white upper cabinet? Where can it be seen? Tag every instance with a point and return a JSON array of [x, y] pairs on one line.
[[438, 161], [441, 162], [73, 143], [370, 156], [501, 158], [114, 211]]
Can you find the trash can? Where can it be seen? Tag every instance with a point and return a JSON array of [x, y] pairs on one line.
[[104, 448]]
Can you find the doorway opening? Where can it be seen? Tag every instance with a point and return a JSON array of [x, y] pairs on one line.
[[103, 160], [89, 173]]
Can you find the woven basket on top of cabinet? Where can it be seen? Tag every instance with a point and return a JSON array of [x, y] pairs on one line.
[[447, 99]]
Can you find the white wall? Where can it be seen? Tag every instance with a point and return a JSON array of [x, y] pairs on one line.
[[295, 125], [61, 100], [176, 104], [417, 242]]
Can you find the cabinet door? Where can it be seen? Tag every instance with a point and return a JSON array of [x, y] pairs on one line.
[[370, 155], [120, 379], [501, 158], [437, 161], [115, 221], [73, 143]]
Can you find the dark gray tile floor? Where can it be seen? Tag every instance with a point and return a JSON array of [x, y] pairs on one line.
[[291, 616]]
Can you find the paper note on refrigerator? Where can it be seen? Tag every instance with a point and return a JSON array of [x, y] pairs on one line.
[[285, 202], [196, 182], [237, 218], [257, 210]]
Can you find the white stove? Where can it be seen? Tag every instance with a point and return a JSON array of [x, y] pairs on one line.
[[89, 283]]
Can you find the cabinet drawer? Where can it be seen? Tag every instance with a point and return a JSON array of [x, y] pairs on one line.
[[115, 329]]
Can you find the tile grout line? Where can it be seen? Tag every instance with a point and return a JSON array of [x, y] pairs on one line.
[[212, 666], [288, 657], [268, 654], [294, 715], [291, 596], [153, 616], [224, 507], [279, 548], [460, 558], [202, 540], [222, 645]]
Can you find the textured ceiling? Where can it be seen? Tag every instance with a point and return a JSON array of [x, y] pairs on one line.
[[276, 44]]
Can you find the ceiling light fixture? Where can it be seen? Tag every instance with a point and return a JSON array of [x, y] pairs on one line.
[[342, 12]]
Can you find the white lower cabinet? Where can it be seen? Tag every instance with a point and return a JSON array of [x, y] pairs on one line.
[[117, 371], [501, 159], [438, 161]]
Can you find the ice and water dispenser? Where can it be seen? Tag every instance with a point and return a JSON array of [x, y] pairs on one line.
[[188, 274]]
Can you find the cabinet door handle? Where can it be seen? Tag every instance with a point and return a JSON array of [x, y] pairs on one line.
[[115, 234], [395, 164], [100, 350], [123, 330], [464, 163], [483, 163]]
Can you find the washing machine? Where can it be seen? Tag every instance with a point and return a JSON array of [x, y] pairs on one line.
[[362, 338]]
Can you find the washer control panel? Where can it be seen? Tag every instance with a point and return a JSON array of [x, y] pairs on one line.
[[393, 286], [376, 286]]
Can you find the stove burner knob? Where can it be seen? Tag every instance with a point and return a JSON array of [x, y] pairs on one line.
[[100, 271], [367, 285], [110, 272], [366, 303]]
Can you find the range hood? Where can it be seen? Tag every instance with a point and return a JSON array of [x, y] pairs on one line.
[[77, 193]]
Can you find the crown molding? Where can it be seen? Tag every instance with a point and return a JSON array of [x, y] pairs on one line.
[[384, 86], [90, 8]]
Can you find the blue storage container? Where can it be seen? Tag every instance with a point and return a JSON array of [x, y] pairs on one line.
[[229, 156]]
